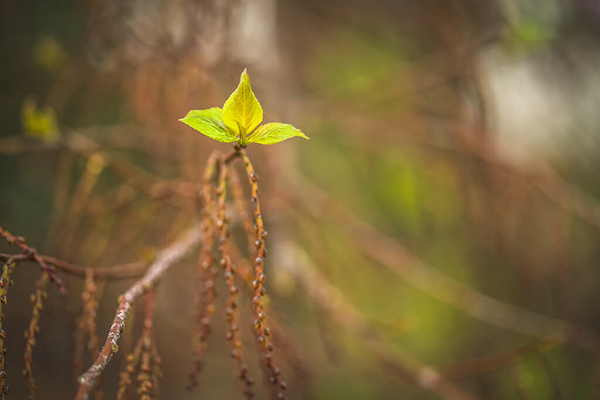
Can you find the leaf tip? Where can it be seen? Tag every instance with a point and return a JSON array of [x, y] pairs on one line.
[[300, 133], [245, 77], [303, 135]]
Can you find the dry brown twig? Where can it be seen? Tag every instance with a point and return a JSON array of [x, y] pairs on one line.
[[163, 262], [114, 272]]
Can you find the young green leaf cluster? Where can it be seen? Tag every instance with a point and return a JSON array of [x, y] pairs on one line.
[[238, 120]]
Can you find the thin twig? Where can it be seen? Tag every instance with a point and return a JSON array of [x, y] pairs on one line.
[[165, 260], [114, 272]]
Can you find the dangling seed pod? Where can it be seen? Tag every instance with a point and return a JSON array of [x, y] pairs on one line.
[[125, 375], [5, 278], [260, 327], [232, 334], [37, 299], [145, 354], [86, 326], [205, 302]]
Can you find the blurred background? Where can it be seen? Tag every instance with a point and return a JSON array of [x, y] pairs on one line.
[[438, 236]]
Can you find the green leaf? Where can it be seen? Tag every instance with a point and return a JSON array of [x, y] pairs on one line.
[[273, 133], [39, 123], [210, 123], [242, 107], [238, 119]]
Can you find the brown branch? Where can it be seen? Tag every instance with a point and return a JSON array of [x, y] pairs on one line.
[[114, 272], [32, 254], [164, 260], [145, 354], [391, 254]]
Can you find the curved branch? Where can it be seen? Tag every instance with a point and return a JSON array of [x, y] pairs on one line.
[[165, 260]]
